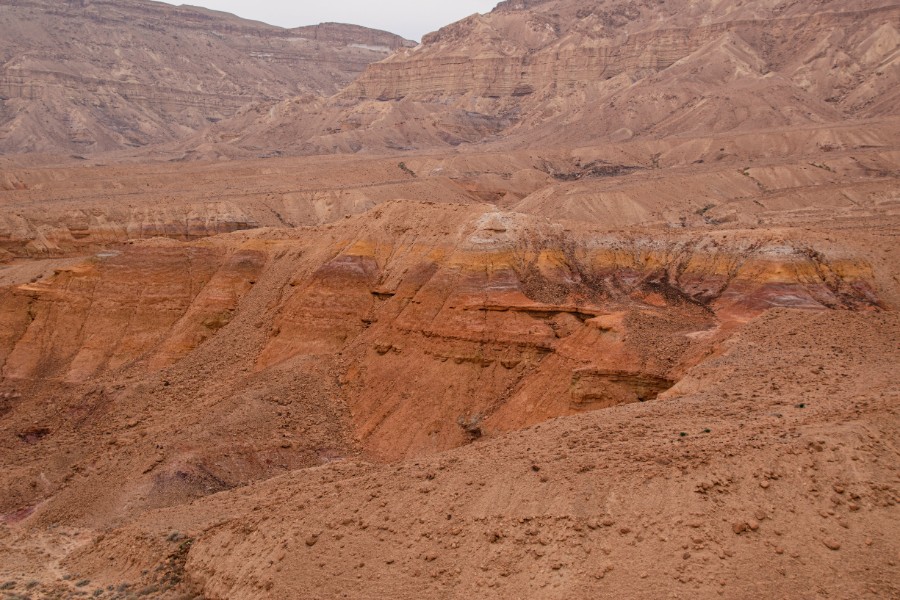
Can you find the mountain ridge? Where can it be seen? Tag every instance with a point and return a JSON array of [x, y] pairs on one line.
[[502, 77], [140, 73]]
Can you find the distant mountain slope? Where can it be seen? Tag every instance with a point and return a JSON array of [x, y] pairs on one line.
[[573, 71], [84, 76]]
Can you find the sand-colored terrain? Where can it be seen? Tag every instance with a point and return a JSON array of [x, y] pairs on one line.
[[81, 77], [546, 358]]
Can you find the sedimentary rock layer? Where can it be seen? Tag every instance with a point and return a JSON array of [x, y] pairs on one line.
[[83, 77], [567, 72]]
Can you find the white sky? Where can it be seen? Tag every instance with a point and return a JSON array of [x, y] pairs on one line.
[[409, 18]]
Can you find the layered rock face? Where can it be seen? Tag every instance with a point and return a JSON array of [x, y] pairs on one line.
[[94, 76], [352, 35], [557, 73], [514, 322], [52, 212], [520, 50], [797, 178], [509, 320]]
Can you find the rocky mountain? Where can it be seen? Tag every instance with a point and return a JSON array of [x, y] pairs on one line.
[[94, 75], [563, 71]]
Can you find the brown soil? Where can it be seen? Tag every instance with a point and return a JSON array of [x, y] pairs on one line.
[[661, 364]]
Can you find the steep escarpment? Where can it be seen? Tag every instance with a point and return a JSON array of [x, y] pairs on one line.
[[453, 272], [518, 321], [97, 76], [558, 73], [523, 51]]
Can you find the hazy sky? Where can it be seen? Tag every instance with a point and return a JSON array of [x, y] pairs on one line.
[[409, 18]]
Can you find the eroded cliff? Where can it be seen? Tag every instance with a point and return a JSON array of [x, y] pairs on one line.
[[95, 76]]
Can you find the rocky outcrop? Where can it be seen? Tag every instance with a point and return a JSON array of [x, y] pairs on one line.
[[184, 296]]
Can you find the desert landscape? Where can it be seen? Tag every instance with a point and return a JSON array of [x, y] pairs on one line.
[[572, 299]]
